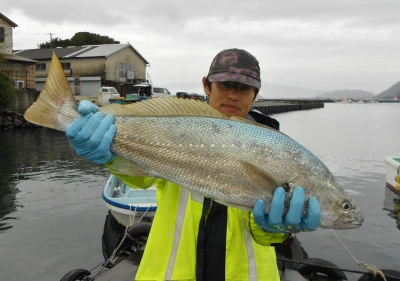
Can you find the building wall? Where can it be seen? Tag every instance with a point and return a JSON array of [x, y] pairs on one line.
[[106, 68], [127, 56], [20, 73], [6, 46], [24, 99], [41, 81], [89, 74], [79, 67], [86, 66], [88, 86]]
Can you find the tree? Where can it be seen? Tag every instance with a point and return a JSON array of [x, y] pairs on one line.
[[87, 38], [56, 42], [79, 39], [7, 93]]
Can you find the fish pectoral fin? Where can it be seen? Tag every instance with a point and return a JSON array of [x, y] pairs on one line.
[[261, 180], [296, 175], [125, 167]]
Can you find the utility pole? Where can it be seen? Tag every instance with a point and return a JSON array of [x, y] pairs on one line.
[[51, 36]]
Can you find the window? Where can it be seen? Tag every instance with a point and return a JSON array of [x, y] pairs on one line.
[[66, 65], [131, 71], [126, 70], [123, 70], [1, 34], [19, 84], [40, 66]]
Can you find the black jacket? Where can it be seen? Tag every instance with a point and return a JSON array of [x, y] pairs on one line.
[[211, 240]]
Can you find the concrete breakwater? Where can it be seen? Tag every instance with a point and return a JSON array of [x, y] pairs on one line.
[[269, 107], [10, 120]]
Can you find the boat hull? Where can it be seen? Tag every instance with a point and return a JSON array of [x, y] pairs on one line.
[[129, 205], [392, 166]]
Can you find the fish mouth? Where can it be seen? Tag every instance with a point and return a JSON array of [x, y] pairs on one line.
[[347, 220], [346, 225], [354, 222]]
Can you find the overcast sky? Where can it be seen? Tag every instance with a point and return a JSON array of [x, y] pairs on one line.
[[325, 45]]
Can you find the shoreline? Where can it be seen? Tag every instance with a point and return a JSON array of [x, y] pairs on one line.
[[13, 120]]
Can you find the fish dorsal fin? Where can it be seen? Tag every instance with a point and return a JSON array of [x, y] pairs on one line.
[[173, 107], [167, 107]]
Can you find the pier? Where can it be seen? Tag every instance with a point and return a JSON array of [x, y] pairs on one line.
[[272, 106]]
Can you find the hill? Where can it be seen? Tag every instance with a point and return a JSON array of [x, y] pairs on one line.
[[346, 94], [390, 93]]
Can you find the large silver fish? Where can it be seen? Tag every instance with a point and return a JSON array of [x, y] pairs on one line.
[[230, 159]]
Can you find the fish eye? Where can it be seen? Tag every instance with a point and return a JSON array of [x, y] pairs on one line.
[[346, 206]]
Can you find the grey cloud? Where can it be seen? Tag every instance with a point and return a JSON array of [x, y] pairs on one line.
[[310, 42]]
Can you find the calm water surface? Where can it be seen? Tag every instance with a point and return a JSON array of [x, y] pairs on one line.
[[52, 215], [352, 140]]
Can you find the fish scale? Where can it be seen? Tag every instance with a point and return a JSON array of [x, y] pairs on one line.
[[230, 159]]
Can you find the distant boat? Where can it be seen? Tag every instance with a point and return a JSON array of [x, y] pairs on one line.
[[129, 205], [392, 164]]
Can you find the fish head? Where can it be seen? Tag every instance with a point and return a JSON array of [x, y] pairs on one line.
[[338, 211]]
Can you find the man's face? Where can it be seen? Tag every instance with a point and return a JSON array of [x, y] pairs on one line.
[[230, 98]]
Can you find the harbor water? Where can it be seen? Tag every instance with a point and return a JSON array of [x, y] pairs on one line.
[[52, 215]]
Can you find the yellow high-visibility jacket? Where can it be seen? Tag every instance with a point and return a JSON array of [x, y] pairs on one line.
[[172, 248]]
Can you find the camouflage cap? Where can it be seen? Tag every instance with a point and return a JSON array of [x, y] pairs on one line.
[[235, 65]]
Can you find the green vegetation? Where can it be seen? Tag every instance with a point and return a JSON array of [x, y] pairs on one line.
[[7, 93], [79, 39]]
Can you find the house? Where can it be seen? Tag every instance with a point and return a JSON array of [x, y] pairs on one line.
[[89, 67], [21, 70]]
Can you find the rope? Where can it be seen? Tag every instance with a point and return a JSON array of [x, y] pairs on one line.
[[108, 261], [373, 269], [126, 235], [369, 267], [131, 215], [144, 214]]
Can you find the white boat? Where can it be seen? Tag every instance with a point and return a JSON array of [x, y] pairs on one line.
[[392, 164], [129, 205]]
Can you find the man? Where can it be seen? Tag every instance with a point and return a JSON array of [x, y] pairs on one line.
[[192, 237]]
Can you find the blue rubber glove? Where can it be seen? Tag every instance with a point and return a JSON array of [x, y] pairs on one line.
[[91, 134], [293, 222]]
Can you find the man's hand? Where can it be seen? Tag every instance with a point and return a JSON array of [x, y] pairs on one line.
[[276, 222], [91, 134]]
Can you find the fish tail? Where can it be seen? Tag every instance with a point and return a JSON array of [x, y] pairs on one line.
[[56, 106]]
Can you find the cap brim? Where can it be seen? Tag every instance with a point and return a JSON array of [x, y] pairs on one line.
[[234, 77]]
